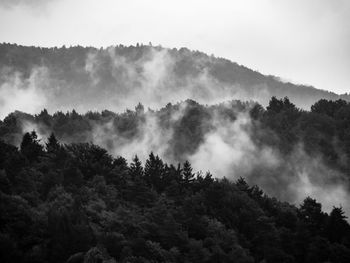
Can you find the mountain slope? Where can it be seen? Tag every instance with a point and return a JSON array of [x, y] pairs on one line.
[[290, 153], [76, 203], [119, 77]]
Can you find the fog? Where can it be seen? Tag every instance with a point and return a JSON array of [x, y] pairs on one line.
[[152, 79], [117, 78], [150, 137], [229, 151], [22, 94], [115, 81]]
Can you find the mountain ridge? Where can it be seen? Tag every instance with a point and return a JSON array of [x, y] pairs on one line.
[[121, 76]]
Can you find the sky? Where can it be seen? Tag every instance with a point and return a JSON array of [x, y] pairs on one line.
[[302, 41]]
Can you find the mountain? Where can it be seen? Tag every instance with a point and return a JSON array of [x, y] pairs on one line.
[[216, 170], [119, 77]]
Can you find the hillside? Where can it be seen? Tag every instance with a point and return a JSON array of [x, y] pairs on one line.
[[288, 152], [76, 203], [119, 77], [148, 154]]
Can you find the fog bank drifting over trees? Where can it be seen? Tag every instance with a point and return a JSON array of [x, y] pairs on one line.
[[119, 77]]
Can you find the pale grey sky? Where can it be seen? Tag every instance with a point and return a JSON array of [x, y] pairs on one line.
[[303, 41]]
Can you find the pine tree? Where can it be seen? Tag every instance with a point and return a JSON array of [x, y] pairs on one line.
[[337, 226], [154, 170], [242, 184], [52, 144], [30, 146], [136, 169], [310, 212], [187, 173]]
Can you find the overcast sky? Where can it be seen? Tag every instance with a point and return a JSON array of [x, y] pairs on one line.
[[304, 41]]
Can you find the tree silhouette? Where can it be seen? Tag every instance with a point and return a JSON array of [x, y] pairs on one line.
[[30, 146], [337, 227], [188, 175], [136, 169], [52, 144], [154, 171]]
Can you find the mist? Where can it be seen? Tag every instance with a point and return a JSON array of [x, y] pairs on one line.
[[131, 132], [117, 78], [149, 77], [227, 148], [22, 94], [150, 137], [230, 151]]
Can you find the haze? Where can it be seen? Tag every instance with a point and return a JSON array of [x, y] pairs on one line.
[[301, 41]]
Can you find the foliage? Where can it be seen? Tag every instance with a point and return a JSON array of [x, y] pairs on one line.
[[94, 207], [76, 201]]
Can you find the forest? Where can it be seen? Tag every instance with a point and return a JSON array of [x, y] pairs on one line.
[[121, 76], [69, 195]]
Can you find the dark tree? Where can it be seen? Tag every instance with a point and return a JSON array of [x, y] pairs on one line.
[[52, 144], [337, 227], [154, 171], [311, 213], [30, 146], [136, 169], [187, 172]]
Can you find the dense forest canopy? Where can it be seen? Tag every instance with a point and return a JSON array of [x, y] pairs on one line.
[[121, 76], [306, 152], [75, 201]]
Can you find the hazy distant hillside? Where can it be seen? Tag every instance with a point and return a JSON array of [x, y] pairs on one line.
[[119, 77]]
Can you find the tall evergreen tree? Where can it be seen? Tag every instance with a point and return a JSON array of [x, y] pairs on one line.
[[188, 175], [154, 171], [52, 144], [30, 146], [311, 213], [136, 169], [337, 226]]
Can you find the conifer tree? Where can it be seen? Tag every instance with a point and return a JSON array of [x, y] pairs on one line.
[[136, 169], [52, 144], [187, 173], [30, 146], [154, 169], [337, 226]]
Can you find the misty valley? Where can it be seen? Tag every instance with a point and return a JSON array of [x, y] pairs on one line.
[[149, 154]]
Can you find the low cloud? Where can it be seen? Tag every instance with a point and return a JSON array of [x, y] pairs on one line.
[[117, 78], [156, 76], [149, 137], [112, 80], [23, 94], [229, 151]]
